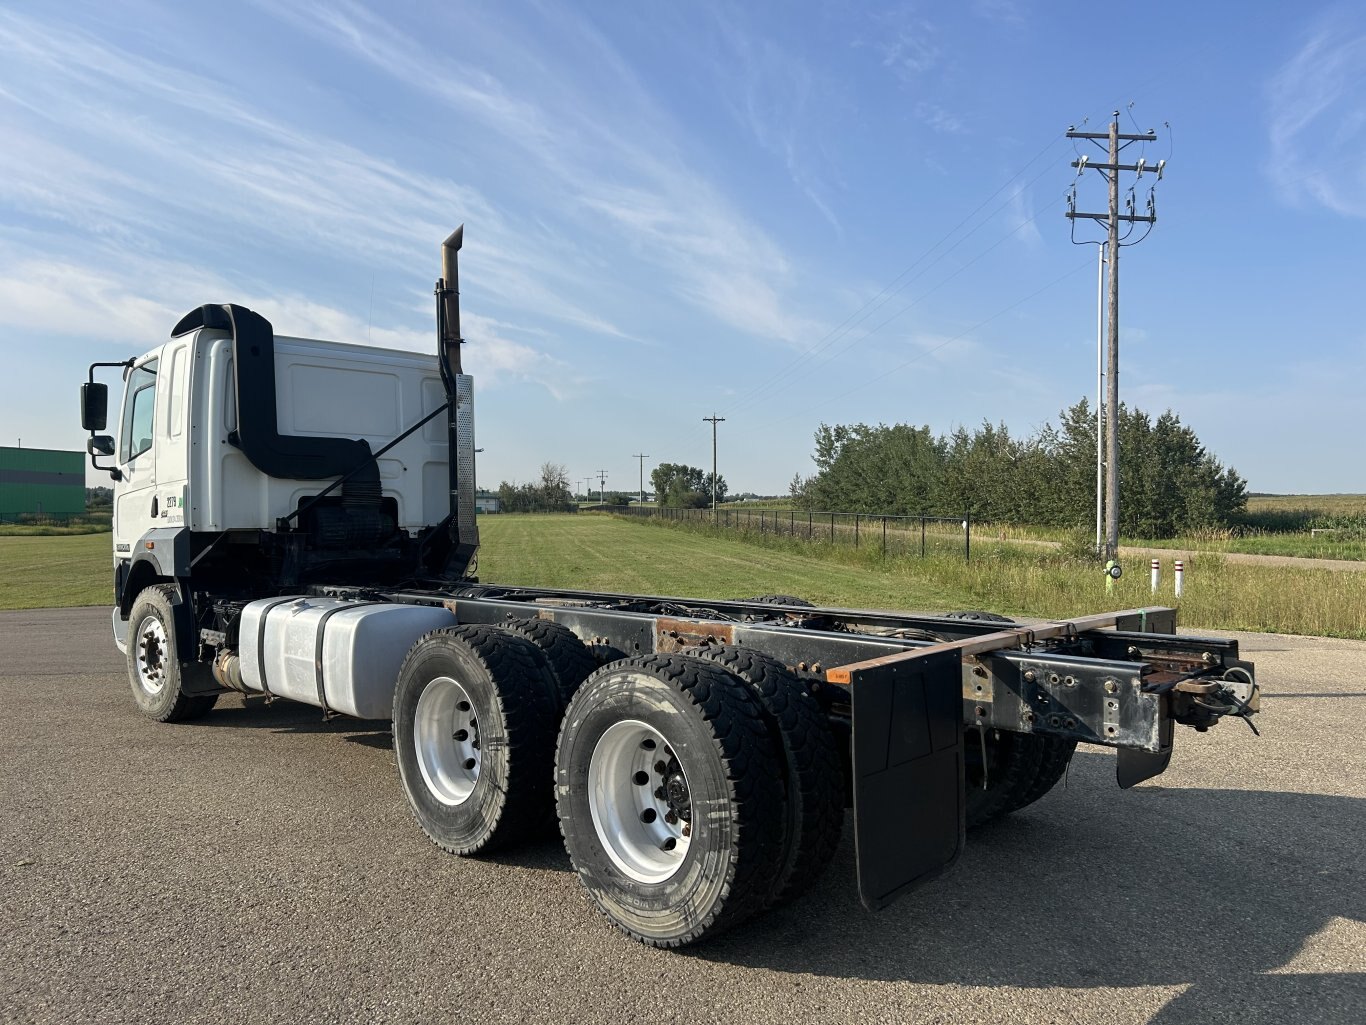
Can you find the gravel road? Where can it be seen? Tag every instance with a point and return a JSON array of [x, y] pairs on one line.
[[261, 866]]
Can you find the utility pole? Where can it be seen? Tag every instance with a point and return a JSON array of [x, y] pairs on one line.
[[713, 420], [1100, 400], [602, 487], [1116, 141], [642, 457]]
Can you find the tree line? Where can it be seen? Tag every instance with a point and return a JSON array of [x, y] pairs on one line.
[[548, 494], [685, 487], [1169, 482]]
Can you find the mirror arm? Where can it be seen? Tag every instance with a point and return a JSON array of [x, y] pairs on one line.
[[114, 472]]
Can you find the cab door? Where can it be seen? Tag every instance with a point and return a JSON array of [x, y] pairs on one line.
[[135, 500]]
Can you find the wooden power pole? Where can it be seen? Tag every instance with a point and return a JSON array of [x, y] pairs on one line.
[[642, 457], [713, 420], [1115, 141]]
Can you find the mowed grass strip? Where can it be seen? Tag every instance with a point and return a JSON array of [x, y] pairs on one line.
[[592, 552], [56, 571]]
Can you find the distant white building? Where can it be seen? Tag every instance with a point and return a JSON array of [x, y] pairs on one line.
[[487, 502]]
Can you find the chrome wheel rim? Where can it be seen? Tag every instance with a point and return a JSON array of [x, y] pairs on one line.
[[640, 802], [446, 739], [150, 659]]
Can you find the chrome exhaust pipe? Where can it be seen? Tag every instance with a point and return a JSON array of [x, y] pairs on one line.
[[449, 290], [460, 412]]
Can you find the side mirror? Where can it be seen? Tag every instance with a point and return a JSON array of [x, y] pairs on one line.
[[100, 445], [95, 409]]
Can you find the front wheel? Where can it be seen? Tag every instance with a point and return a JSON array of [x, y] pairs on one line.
[[669, 794], [155, 671]]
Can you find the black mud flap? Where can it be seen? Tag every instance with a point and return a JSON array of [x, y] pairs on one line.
[[908, 772], [1134, 766]]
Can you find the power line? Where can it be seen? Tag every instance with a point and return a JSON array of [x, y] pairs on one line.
[[949, 341], [897, 285], [934, 288]]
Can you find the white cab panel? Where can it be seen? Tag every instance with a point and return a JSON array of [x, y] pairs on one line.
[[323, 389]]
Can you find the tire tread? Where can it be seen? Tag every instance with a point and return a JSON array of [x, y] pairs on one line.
[[813, 775]]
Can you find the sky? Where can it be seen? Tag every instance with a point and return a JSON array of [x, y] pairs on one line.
[[781, 213]]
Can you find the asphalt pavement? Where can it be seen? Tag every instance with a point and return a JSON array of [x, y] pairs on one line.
[[261, 866]]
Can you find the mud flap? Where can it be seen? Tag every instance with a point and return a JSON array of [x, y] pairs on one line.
[[1133, 766], [908, 772]]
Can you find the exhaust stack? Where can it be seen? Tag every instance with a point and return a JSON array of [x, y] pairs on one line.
[[464, 528], [448, 288]]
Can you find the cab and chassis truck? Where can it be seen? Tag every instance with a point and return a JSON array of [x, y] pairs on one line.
[[295, 518]]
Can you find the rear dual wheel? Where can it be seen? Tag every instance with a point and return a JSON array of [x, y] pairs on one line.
[[1019, 769], [668, 786], [813, 787], [475, 714]]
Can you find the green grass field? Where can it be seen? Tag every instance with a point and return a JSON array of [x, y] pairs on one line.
[[1027, 581], [1331, 505], [56, 571], [595, 552]]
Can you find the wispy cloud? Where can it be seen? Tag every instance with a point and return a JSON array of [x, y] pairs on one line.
[[1317, 117], [1021, 216], [636, 173], [1005, 12], [939, 119], [907, 43], [777, 97], [181, 159], [131, 307]]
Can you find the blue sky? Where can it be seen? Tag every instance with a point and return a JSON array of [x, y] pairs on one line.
[[679, 209]]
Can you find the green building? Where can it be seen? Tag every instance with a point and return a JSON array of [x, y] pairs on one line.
[[42, 481]]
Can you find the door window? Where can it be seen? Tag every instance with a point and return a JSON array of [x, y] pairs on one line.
[[138, 405]]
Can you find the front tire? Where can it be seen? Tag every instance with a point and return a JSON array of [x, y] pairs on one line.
[[155, 671], [669, 794]]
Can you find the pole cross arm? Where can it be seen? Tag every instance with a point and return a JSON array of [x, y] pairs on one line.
[[1156, 168], [1145, 218], [1147, 136]]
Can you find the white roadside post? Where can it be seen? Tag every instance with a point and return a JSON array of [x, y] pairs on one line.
[[1179, 576], [1157, 574]]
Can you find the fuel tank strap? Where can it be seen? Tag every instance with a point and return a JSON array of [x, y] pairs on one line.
[[318, 647], [261, 641]]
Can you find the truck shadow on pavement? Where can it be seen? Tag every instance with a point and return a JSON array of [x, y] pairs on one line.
[[1215, 891], [284, 716]]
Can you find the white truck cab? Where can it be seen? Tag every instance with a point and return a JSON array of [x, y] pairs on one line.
[[179, 467], [281, 462]]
